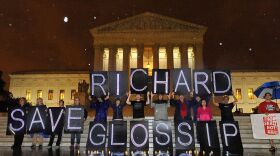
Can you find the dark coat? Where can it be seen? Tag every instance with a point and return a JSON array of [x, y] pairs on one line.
[[177, 115], [117, 111], [101, 109]]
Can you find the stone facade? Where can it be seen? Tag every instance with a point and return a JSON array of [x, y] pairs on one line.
[[148, 30], [21, 83]]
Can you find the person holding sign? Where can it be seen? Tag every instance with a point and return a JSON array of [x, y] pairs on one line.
[[204, 112], [138, 105], [38, 137], [18, 138], [77, 135], [194, 104], [160, 105], [181, 108], [59, 135], [267, 107], [101, 108], [117, 109], [226, 107]]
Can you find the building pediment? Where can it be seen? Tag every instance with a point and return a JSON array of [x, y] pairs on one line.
[[149, 22]]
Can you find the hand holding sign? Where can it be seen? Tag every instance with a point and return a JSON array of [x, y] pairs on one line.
[[107, 97]]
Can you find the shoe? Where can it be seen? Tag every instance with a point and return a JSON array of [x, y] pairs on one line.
[[33, 146], [57, 146], [272, 149], [48, 147], [40, 147], [15, 147], [77, 146]]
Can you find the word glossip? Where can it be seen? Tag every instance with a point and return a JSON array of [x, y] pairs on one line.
[[39, 120]]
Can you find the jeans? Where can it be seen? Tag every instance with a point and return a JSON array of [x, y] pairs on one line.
[[76, 135]]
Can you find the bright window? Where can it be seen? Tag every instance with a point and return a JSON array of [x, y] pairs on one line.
[[61, 94], [39, 93], [73, 92], [238, 93], [28, 95], [50, 95], [250, 93]]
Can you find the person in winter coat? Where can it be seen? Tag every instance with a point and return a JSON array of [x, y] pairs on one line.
[[101, 106]]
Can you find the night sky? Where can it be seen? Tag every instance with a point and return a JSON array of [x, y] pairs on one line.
[[35, 35]]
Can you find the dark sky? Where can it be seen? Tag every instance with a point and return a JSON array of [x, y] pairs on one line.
[[241, 34]]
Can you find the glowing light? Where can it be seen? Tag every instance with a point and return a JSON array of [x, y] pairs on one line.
[[148, 65], [221, 43], [65, 19], [250, 49]]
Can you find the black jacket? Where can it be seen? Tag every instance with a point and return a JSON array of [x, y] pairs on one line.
[[177, 115], [117, 110]]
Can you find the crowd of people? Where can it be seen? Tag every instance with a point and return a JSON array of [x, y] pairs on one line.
[[193, 108]]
